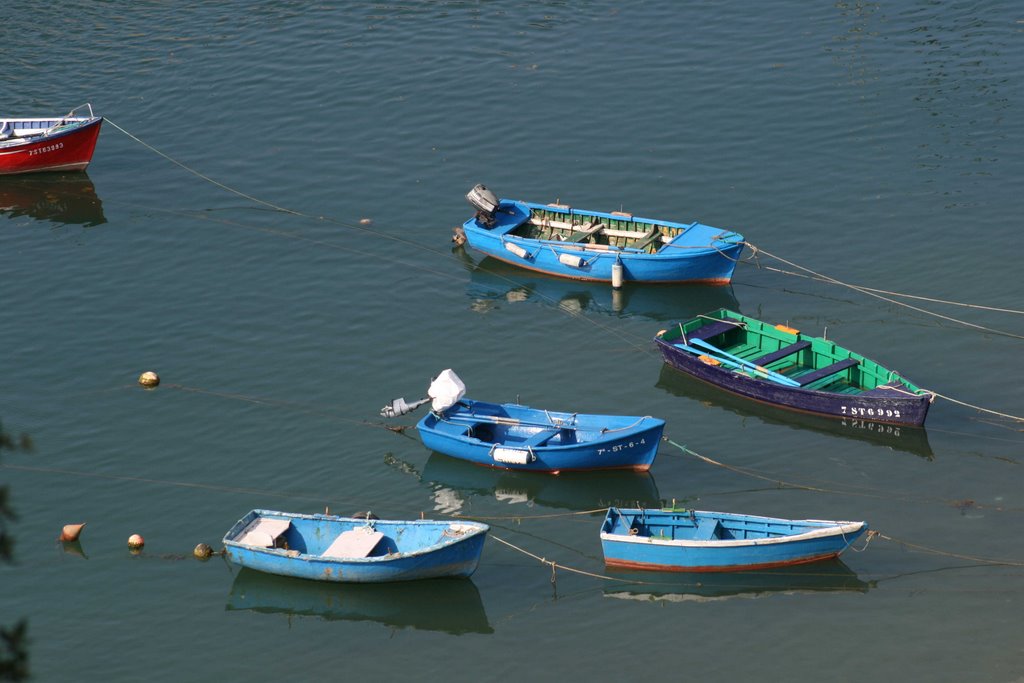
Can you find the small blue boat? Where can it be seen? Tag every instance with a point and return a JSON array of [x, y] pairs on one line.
[[611, 247], [518, 437], [697, 541], [351, 550]]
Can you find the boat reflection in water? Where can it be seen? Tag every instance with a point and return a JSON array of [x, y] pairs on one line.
[[453, 481], [897, 437], [68, 198], [493, 282], [449, 605], [826, 576]]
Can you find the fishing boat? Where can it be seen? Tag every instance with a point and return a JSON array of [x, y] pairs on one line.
[[779, 365], [518, 437], [697, 541], [613, 247], [354, 550], [61, 143]]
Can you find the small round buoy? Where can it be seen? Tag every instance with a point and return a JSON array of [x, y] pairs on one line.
[[70, 532], [135, 542], [203, 551], [458, 236], [365, 221], [149, 379]]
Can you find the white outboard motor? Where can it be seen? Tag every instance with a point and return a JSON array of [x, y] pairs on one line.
[[445, 391], [485, 202]]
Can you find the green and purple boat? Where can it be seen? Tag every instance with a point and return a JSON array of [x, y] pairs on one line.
[[779, 365]]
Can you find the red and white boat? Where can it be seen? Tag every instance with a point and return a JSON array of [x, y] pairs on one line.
[[64, 143]]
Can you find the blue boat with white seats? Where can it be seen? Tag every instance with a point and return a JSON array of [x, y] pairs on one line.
[[326, 547], [697, 541]]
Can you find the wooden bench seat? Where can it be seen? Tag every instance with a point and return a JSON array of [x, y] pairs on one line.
[[781, 353], [539, 439], [708, 530], [648, 239], [833, 369]]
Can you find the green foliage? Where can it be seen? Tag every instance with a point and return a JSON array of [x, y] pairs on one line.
[[13, 640]]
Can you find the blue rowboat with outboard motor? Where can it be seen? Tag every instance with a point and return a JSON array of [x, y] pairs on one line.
[[518, 437], [697, 541], [779, 365], [354, 550], [611, 247]]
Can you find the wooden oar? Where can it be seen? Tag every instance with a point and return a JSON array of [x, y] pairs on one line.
[[720, 355]]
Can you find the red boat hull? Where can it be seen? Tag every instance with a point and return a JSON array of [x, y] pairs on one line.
[[69, 150]]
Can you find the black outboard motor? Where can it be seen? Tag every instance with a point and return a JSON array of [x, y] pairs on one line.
[[485, 202]]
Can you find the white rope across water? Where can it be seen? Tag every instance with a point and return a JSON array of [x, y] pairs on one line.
[[876, 293]]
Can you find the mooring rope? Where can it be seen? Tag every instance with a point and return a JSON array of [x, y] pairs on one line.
[[555, 565], [944, 553], [869, 292], [326, 219], [867, 493]]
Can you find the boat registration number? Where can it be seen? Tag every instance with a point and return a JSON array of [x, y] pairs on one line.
[[48, 148], [621, 446], [870, 412]]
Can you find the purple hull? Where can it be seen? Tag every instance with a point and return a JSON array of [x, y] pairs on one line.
[[880, 405]]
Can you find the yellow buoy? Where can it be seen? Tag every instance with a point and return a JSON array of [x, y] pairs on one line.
[[149, 379], [203, 551]]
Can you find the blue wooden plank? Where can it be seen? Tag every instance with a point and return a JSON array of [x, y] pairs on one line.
[[781, 353], [804, 380]]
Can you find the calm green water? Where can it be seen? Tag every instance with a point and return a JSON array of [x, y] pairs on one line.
[[879, 144]]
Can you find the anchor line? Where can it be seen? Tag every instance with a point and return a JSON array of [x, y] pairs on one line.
[[874, 293]]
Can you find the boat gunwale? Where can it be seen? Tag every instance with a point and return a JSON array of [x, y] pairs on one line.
[[840, 528], [12, 144]]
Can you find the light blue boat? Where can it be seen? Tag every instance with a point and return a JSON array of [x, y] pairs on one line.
[[346, 549], [611, 247], [697, 541]]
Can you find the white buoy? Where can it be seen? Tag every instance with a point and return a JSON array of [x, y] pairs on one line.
[[617, 274], [570, 260], [135, 542], [149, 379], [516, 249]]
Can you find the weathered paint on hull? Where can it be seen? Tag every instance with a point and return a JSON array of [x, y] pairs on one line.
[[63, 151], [651, 566], [908, 410]]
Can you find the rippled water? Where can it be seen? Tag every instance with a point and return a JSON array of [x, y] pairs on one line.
[[875, 144]]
